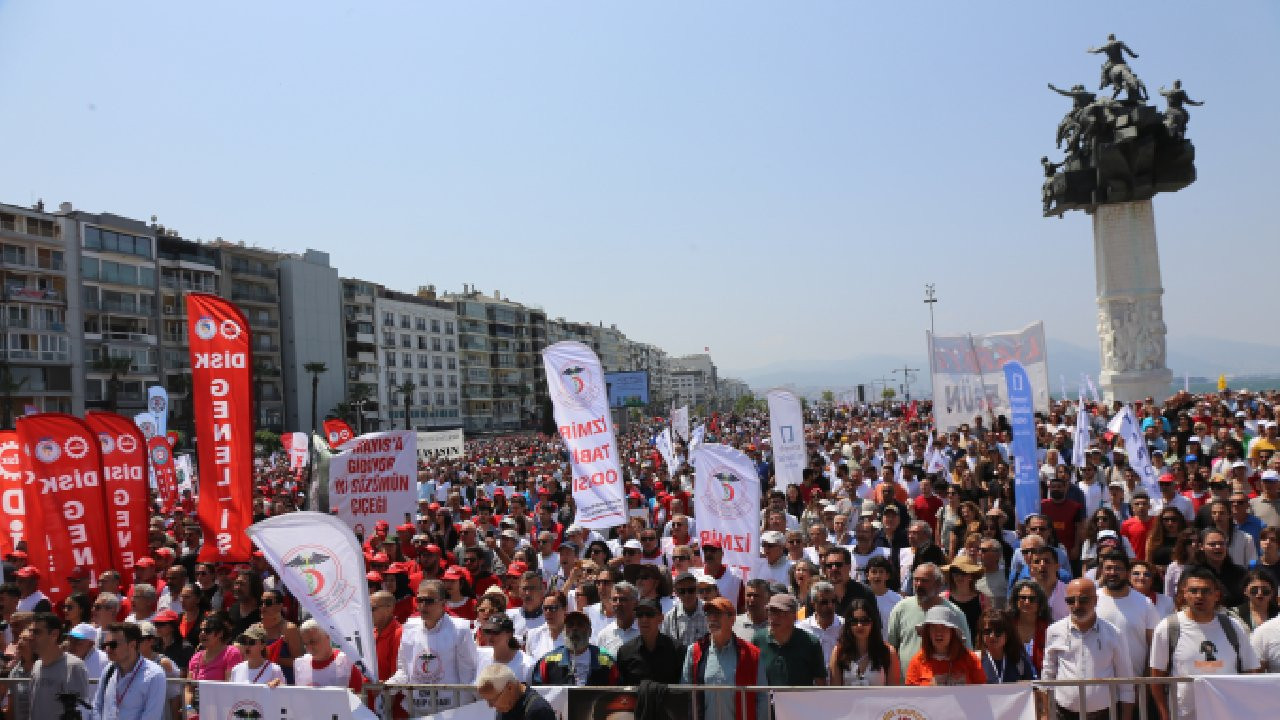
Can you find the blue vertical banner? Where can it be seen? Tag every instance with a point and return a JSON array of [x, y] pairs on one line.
[[1026, 479]]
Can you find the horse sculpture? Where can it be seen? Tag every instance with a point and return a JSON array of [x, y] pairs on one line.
[[1122, 79]]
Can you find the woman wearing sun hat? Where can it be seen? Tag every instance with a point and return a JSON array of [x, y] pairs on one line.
[[943, 658]]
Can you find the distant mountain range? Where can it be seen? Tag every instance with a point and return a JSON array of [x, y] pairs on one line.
[[1197, 356]]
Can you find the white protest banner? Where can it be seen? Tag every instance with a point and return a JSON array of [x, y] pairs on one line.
[[575, 382], [184, 469], [374, 478], [726, 503], [786, 434], [233, 701], [440, 444], [295, 447], [1080, 443], [680, 424], [699, 435], [557, 697], [972, 702], [321, 563], [1126, 426], [662, 441], [1232, 696], [968, 373]]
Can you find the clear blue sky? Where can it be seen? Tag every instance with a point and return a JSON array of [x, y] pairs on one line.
[[775, 180]]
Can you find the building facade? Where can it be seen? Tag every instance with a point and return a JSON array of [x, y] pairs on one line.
[[250, 280], [418, 348], [310, 315]]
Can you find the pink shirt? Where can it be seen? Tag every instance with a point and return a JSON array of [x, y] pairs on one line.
[[216, 668]]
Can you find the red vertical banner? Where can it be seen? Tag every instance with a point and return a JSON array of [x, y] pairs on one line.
[[64, 490], [222, 388], [124, 486], [161, 456], [337, 432], [13, 511]]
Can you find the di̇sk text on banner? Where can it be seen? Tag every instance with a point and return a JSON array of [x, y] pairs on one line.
[[971, 702], [726, 503], [786, 435], [320, 561], [222, 402], [375, 478], [575, 382], [64, 500], [124, 486]]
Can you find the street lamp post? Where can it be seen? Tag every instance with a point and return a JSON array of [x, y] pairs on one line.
[[930, 299]]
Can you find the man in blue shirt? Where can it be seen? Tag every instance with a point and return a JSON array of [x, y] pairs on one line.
[[132, 687]]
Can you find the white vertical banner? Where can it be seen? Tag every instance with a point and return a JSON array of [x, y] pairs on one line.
[[575, 382], [320, 561], [786, 434], [680, 423], [662, 441], [1126, 426], [185, 470], [146, 422], [295, 447], [972, 702], [158, 406], [726, 503], [375, 477], [1080, 443]]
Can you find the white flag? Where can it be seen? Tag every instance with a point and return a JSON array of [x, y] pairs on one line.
[[786, 433], [375, 477], [726, 503], [663, 442], [245, 700], [158, 406], [146, 422], [1080, 443], [1093, 391], [680, 423], [576, 384], [320, 561], [295, 447], [1126, 426], [699, 435]]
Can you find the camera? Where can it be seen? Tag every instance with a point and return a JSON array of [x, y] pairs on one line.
[[71, 704]]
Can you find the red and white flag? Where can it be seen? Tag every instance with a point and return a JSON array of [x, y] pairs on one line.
[[13, 472], [124, 487], [337, 432], [160, 455], [222, 388]]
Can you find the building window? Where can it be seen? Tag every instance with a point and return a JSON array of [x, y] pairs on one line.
[[448, 344], [453, 398], [423, 361], [440, 398], [424, 380], [435, 325], [453, 381], [448, 327], [388, 319], [453, 363], [391, 359], [407, 360], [439, 380], [404, 322], [406, 341], [435, 344], [420, 324]]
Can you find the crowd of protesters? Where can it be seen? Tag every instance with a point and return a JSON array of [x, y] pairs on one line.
[[887, 565]]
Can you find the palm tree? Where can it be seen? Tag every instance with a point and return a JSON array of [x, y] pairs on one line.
[[407, 388], [315, 368], [114, 365]]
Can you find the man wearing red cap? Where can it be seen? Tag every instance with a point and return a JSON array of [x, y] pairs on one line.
[[32, 600], [727, 580]]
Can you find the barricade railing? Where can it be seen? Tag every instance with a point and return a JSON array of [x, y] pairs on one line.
[[447, 696]]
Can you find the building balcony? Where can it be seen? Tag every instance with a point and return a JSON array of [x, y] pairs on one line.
[[116, 307], [247, 269], [36, 355], [22, 293], [367, 358], [255, 297], [170, 283], [264, 323]]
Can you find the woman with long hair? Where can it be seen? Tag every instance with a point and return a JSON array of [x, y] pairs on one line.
[[962, 591], [491, 603], [970, 521], [1164, 535], [861, 656], [215, 658], [1144, 577], [1004, 659], [75, 610], [803, 574], [599, 552], [194, 608], [1031, 619], [1185, 548], [943, 658], [1260, 599], [281, 641], [548, 636], [1101, 519]]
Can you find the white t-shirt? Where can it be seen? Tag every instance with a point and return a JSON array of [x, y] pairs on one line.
[[1203, 649], [886, 603], [521, 664], [264, 674], [826, 638], [1266, 644], [1133, 615], [859, 570]]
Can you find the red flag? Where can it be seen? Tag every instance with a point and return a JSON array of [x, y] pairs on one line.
[[222, 389], [337, 432], [172, 437], [64, 497], [715, 423], [911, 412], [13, 512], [124, 485], [161, 457]]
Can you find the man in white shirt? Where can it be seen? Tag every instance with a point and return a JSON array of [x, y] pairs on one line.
[[436, 651], [1266, 644], [1169, 497], [82, 642], [1044, 571], [623, 627], [1128, 610], [1083, 646], [774, 566], [824, 624]]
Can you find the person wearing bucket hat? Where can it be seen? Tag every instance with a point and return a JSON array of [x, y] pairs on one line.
[[943, 658], [927, 582], [256, 668]]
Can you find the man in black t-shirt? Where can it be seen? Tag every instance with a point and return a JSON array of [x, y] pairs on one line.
[[512, 699]]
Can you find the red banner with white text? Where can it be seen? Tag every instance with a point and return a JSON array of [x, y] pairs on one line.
[[65, 499], [13, 512], [222, 388], [161, 457], [124, 485], [337, 432]]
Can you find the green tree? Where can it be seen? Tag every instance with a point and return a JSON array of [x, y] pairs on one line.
[[829, 397], [267, 442], [7, 388], [744, 403]]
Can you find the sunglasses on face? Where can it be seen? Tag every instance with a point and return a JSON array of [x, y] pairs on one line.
[[1259, 591], [426, 600], [1078, 600], [859, 620], [269, 601], [550, 608], [992, 632], [1028, 598], [646, 614]]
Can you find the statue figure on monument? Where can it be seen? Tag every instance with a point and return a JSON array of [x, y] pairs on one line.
[[1078, 119], [1107, 334], [1046, 190], [1116, 71], [1176, 116]]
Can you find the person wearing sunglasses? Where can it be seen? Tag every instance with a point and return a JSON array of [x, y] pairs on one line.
[[651, 655], [283, 640], [213, 661], [737, 663], [436, 651], [686, 622], [1031, 618], [860, 656], [1260, 600], [1083, 646], [1004, 660], [256, 668], [503, 648], [55, 672]]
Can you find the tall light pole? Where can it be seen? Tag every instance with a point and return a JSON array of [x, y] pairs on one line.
[[930, 299]]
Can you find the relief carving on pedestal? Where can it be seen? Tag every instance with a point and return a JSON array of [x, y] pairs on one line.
[[1132, 332]]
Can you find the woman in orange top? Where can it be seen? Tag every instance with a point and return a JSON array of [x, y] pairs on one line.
[[943, 659]]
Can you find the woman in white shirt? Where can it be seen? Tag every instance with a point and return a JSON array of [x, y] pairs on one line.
[[255, 669], [861, 656]]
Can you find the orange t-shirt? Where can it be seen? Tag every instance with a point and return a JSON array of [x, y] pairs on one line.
[[964, 670]]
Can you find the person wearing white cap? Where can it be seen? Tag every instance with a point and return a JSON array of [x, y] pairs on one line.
[[774, 564], [83, 642], [1266, 507]]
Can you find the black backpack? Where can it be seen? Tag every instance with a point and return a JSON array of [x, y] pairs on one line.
[[1228, 629]]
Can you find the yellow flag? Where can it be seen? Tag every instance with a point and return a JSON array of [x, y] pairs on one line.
[[1222, 383]]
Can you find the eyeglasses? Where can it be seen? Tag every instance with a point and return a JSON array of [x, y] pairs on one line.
[[992, 632], [1028, 598], [832, 565], [248, 642], [682, 558], [646, 614], [111, 644], [1078, 599], [686, 591], [1139, 574], [677, 524], [550, 608], [268, 602], [1259, 591], [427, 600], [857, 620]]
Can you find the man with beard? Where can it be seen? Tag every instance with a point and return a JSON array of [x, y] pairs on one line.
[[1083, 646], [434, 652], [577, 662], [907, 615], [1128, 610]]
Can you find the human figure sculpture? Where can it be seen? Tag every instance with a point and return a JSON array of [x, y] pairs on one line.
[[1046, 190], [1176, 116], [1077, 120], [1116, 71]]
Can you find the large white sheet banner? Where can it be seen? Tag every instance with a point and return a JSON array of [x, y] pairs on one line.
[[972, 702], [440, 444], [1235, 696], [320, 561], [662, 441], [1126, 426], [726, 503], [557, 697], [575, 382], [375, 477], [185, 470], [680, 424], [232, 701], [786, 435], [968, 373]]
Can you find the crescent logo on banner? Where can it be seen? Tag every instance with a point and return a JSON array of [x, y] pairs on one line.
[[124, 486], [65, 500], [726, 502], [13, 510], [222, 396]]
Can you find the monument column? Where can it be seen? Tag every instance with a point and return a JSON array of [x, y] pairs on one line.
[[1131, 329]]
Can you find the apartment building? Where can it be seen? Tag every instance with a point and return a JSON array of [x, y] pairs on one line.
[[418, 348]]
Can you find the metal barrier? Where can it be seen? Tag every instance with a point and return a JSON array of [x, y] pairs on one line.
[[456, 695]]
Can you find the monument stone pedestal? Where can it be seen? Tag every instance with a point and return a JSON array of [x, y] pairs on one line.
[[1131, 329]]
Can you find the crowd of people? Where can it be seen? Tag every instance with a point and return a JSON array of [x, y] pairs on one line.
[[900, 559]]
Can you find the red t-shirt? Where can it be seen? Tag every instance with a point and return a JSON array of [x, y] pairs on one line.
[[1064, 515], [1136, 531], [927, 507]]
